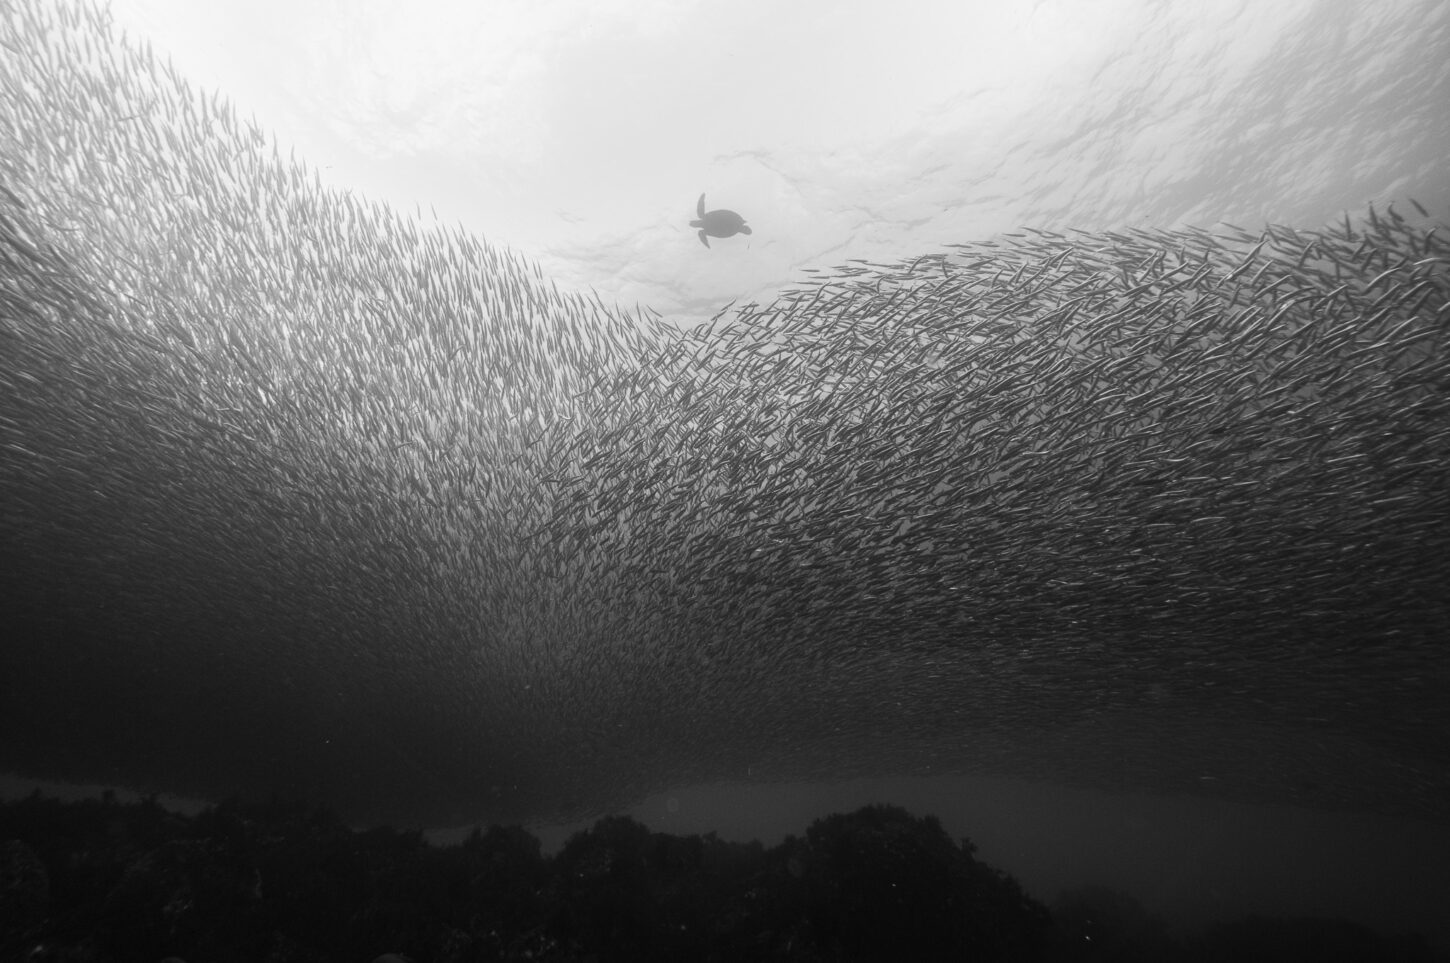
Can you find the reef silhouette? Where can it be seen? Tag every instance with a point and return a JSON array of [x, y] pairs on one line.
[[101, 880]]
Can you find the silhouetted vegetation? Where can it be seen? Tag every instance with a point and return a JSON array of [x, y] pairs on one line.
[[98, 881]]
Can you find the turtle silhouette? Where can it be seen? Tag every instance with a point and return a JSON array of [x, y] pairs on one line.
[[721, 223]]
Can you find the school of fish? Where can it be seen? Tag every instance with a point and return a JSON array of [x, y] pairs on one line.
[[299, 494]]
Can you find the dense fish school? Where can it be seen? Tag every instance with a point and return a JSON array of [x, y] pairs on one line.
[[297, 494]]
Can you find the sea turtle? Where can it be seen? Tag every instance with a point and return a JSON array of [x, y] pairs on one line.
[[721, 223]]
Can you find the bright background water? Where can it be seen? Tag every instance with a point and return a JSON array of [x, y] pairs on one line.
[[580, 134]]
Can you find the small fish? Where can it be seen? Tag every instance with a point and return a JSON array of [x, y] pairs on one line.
[[401, 463]]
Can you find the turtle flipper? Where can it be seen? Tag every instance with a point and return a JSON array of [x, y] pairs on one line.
[[700, 206], [704, 240]]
